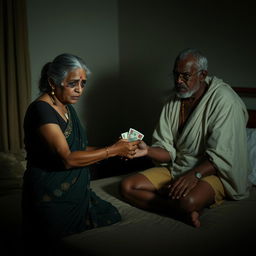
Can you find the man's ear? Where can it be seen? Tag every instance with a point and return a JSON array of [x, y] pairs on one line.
[[204, 74]]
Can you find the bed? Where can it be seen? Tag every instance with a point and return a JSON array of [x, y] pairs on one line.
[[230, 227]]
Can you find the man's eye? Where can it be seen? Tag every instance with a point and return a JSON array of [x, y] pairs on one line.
[[186, 75]]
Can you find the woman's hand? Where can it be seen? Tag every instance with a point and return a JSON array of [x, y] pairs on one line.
[[124, 148]]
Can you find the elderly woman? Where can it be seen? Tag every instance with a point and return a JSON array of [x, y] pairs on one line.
[[57, 199]]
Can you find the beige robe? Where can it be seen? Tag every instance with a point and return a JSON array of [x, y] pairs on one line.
[[216, 129]]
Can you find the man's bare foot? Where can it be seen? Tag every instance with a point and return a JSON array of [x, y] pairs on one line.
[[195, 219]]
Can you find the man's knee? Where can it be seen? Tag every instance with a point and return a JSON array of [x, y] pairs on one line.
[[125, 187], [188, 204], [199, 198], [135, 182]]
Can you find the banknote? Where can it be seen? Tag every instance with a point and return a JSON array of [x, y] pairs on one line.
[[132, 135], [124, 135]]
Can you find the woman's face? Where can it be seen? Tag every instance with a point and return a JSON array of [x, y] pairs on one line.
[[72, 87]]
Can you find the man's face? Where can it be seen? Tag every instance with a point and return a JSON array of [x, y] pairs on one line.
[[186, 77]]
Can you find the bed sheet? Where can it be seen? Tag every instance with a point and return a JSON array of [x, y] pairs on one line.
[[231, 226]]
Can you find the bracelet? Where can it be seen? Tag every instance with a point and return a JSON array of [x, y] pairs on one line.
[[107, 153]]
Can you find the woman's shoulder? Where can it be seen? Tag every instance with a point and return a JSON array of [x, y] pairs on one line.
[[40, 103], [40, 106], [41, 112]]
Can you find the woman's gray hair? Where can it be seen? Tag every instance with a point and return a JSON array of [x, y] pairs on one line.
[[201, 60], [57, 70]]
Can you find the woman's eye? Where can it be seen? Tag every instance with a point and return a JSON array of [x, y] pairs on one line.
[[83, 83], [71, 84]]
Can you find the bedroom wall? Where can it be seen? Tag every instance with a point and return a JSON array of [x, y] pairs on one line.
[[88, 28], [151, 33], [130, 47]]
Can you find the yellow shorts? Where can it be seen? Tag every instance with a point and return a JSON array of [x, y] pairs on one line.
[[160, 176]]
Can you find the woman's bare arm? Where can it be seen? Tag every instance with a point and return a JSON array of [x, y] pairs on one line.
[[56, 140]]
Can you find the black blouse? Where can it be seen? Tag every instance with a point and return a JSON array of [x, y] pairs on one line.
[[38, 152]]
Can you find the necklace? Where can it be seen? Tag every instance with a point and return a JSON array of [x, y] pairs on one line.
[[191, 104], [186, 108], [182, 111], [66, 114]]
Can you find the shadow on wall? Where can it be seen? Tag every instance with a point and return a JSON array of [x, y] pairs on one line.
[[112, 106], [102, 111], [142, 105]]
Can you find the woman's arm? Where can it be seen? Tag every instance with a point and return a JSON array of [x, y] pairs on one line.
[[90, 148], [56, 140]]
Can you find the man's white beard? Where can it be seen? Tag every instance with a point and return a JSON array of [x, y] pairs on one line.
[[187, 94]]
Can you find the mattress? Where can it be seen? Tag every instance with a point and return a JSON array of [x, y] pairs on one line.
[[230, 226]]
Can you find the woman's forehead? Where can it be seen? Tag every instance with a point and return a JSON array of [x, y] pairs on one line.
[[78, 73]]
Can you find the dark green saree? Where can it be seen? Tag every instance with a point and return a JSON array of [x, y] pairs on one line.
[[60, 202]]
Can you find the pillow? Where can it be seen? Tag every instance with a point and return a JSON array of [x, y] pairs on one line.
[[12, 168], [251, 144]]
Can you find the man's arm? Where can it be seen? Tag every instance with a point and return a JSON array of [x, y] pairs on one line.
[[156, 153], [206, 168]]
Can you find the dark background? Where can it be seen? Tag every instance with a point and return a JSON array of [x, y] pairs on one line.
[[130, 47]]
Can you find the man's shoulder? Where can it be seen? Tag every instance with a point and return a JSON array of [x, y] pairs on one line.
[[170, 103], [223, 98], [222, 91]]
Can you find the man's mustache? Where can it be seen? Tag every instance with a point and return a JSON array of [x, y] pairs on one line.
[[181, 87]]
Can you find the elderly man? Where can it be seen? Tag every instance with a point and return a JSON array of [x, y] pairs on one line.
[[199, 146]]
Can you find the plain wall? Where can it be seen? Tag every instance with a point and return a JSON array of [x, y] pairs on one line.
[[87, 28], [130, 47], [151, 33]]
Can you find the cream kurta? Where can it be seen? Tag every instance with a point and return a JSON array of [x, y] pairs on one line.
[[216, 128]]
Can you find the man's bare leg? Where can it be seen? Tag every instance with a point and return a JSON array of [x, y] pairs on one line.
[[195, 219], [140, 192]]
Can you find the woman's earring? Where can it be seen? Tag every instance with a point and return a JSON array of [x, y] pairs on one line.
[[52, 98]]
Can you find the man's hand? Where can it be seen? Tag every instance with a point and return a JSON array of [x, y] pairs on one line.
[[142, 149], [183, 185]]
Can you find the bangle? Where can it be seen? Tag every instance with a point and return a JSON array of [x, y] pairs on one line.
[[107, 153]]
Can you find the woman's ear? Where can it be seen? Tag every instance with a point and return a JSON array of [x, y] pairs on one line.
[[51, 83]]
